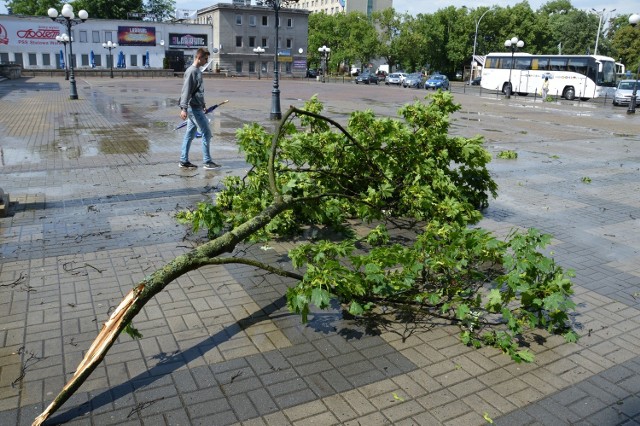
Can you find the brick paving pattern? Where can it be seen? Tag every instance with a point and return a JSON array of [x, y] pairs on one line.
[[94, 186]]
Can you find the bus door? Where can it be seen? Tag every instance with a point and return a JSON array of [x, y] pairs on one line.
[[521, 69]]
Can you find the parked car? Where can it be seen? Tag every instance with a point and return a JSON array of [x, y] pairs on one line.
[[413, 80], [395, 78], [311, 73], [382, 75], [624, 91], [367, 78], [437, 81]]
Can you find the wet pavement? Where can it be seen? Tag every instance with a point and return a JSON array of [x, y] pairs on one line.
[[94, 186]]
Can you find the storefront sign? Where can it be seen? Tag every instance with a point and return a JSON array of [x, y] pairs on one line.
[[137, 36], [29, 34], [187, 41]]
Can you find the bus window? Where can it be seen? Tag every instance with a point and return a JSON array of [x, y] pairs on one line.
[[608, 75], [522, 63], [490, 62], [578, 65], [505, 63], [557, 64], [540, 64]]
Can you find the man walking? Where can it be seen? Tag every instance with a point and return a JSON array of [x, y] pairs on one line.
[[193, 106]]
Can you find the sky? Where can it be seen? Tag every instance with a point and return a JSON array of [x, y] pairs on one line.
[[414, 7]]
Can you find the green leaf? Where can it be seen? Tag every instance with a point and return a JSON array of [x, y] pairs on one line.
[[462, 311], [525, 355], [355, 308], [495, 298], [132, 331], [320, 297]]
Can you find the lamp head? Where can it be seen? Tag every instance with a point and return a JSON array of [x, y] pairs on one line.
[[514, 40], [67, 11], [520, 43], [634, 19], [507, 43], [83, 14], [53, 13]]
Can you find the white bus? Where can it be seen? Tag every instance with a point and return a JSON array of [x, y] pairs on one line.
[[570, 76]]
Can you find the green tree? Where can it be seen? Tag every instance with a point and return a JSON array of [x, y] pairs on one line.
[[33, 7], [105, 9], [160, 10], [357, 181], [626, 43], [389, 25]]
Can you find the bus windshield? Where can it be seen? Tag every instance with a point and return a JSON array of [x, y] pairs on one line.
[[607, 77]]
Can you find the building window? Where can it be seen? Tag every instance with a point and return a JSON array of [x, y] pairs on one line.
[[83, 36], [265, 21], [46, 59], [238, 66], [287, 68], [98, 59], [33, 60], [84, 60], [252, 41], [289, 43], [264, 41], [4, 58], [289, 22], [133, 60], [238, 41], [17, 58], [253, 21], [108, 36], [252, 66], [95, 36], [238, 19]]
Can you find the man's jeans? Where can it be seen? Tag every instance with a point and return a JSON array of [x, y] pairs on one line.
[[196, 118]]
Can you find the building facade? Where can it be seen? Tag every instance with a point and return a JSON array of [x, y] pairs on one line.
[[230, 31], [331, 7], [30, 41], [236, 30]]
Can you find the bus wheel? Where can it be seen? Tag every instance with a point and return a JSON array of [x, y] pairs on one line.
[[506, 89], [569, 93]]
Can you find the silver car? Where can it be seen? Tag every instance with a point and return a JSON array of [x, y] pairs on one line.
[[413, 80], [624, 92], [394, 78]]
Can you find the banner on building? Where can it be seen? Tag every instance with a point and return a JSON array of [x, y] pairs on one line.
[[186, 14], [187, 41], [137, 36], [27, 33]]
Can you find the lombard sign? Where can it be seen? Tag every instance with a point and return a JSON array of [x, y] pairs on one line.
[[29, 34], [187, 41], [137, 36]]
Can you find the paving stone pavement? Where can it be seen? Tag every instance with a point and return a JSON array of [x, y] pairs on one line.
[[94, 186]]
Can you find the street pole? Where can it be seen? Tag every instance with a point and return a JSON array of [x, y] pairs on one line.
[[475, 40], [276, 114], [601, 17], [68, 19], [513, 43], [633, 21]]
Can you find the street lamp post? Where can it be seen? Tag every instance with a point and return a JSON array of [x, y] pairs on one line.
[[276, 114], [475, 40], [259, 50], [68, 18], [325, 51], [513, 44], [634, 20], [109, 45], [64, 39], [600, 18]]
